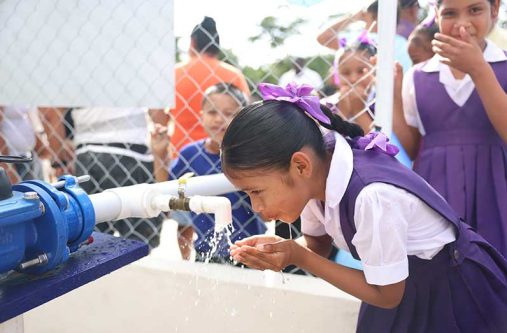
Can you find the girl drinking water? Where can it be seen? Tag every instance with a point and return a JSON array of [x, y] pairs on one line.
[[423, 269]]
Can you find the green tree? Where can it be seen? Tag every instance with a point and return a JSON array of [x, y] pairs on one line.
[[228, 56], [276, 33], [177, 49]]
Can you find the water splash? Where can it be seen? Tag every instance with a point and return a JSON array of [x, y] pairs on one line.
[[216, 240], [284, 279]]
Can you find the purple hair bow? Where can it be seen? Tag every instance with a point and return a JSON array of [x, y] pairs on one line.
[[342, 42], [376, 141], [301, 95], [428, 21], [364, 39]]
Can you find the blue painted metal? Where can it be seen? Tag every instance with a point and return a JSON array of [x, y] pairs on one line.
[[15, 233], [55, 223], [21, 292]]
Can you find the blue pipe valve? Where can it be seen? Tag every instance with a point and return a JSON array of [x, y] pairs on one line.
[[41, 224]]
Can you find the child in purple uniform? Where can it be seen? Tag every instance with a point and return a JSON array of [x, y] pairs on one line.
[[423, 269], [455, 123]]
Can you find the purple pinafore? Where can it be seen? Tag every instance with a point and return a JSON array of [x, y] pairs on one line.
[[462, 289], [463, 157]]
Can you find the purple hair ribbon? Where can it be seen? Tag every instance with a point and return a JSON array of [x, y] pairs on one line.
[[376, 141], [342, 42], [429, 20], [300, 95], [364, 39]]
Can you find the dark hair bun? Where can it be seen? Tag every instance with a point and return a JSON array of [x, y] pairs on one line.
[[205, 37], [209, 25]]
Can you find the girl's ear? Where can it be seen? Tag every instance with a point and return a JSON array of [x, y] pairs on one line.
[[301, 165], [495, 7]]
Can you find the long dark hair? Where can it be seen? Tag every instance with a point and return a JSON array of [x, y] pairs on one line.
[[266, 134]]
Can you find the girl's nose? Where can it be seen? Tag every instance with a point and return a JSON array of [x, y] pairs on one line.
[[353, 78], [462, 22], [256, 205], [220, 119]]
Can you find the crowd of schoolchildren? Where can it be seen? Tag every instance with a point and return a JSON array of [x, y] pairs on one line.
[[417, 237]]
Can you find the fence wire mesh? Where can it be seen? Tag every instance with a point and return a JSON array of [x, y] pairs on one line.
[[119, 146]]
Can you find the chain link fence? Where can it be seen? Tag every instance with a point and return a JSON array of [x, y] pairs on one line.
[[123, 145]]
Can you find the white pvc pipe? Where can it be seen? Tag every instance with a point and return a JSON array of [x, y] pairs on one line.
[[123, 202], [107, 206], [148, 200], [201, 185], [220, 206], [386, 28]]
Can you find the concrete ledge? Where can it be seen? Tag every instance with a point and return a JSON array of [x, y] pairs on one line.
[[159, 295]]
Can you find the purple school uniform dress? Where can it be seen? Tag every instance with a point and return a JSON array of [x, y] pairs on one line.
[[463, 157], [462, 289]]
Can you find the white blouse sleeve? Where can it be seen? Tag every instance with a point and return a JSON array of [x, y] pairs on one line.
[[409, 102], [311, 220], [381, 218]]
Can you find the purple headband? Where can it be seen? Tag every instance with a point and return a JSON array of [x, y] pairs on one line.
[[300, 95], [429, 20], [361, 39]]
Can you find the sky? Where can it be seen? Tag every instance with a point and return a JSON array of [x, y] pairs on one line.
[[239, 19]]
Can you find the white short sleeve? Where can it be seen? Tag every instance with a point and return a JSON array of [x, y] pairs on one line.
[[409, 102], [312, 219], [381, 217]]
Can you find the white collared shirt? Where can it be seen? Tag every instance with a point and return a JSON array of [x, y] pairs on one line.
[[458, 90], [391, 223]]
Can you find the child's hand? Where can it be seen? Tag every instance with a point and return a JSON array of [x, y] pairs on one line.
[[159, 139], [352, 99], [464, 55], [360, 15], [398, 79], [264, 252]]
